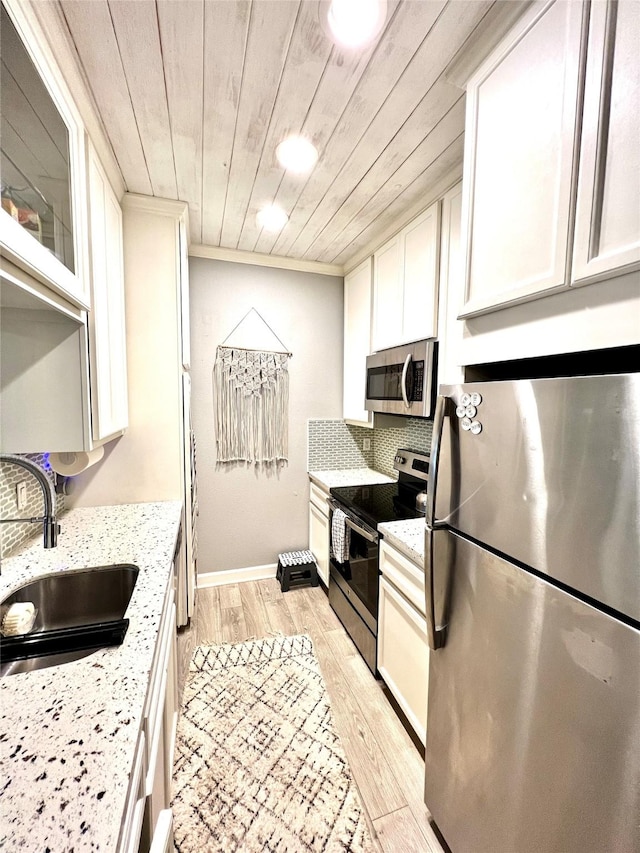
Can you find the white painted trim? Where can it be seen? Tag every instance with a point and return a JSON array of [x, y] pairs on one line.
[[495, 25], [250, 573], [437, 191], [151, 204], [236, 256], [32, 287]]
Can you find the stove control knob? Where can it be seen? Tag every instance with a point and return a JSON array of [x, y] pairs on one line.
[[476, 427], [470, 411], [465, 399], [465, 423], [461, 411], [476, 399]]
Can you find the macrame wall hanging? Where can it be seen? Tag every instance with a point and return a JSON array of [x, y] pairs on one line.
[[252, 396]]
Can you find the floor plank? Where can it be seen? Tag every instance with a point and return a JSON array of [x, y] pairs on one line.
[[208, 616], [255, 612], [230, 596], [234, 629], [277, 611], [399, 831]]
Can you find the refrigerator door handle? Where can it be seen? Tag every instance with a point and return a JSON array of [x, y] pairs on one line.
[[442, 411], [436, 634]]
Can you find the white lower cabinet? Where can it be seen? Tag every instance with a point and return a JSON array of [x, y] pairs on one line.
[[134, 811], [403, 650], [319, 531], [147, 825]]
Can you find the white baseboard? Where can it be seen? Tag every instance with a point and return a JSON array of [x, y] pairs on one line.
[[251, 573]]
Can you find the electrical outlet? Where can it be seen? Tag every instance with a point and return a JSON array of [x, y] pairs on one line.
[[21, 495], [366, 444]]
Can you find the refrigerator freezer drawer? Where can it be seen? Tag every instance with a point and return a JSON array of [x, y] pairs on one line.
[[533, 730]]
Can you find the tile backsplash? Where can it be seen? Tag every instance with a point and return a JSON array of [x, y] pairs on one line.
[[12, 535], [333, 444], [410, 433]]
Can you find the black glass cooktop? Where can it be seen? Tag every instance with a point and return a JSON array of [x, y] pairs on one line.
[[379, 503]]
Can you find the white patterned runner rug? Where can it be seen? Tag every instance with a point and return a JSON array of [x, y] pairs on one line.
[[259, 765]]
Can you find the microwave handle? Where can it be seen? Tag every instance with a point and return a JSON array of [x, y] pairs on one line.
[[403, 384]]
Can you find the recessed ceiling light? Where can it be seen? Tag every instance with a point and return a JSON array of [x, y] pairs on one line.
[[353, 23], [272, 218], [297, 154]]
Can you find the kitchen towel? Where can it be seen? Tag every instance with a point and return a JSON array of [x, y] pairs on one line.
[[340, 537]]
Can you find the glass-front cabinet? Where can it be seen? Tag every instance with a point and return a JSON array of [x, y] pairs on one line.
[[42, 167]]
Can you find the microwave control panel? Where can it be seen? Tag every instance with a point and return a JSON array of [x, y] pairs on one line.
[[418, 381]]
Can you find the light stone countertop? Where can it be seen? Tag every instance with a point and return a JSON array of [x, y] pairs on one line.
[[68, 733], [348, 477], [407, 537]]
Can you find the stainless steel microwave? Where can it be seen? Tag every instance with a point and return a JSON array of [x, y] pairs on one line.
[[401, 380]]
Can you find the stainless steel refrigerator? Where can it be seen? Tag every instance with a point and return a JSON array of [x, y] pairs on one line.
[[532, 565]]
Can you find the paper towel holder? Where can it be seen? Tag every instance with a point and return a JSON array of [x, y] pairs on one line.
[[71, 463]]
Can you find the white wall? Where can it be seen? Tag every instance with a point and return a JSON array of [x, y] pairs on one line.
[[249, 514]]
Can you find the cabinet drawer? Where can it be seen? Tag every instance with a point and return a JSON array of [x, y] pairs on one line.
[[403, 574], [318, 497], [403, 655]]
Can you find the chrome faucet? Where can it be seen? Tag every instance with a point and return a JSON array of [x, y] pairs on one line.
[[51, 527]]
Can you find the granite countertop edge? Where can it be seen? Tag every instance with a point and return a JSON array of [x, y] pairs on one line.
[[328, 479], [68, 733], [407, 537]]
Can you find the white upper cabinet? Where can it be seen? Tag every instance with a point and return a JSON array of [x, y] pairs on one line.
[[357, 343], [522, 108], [43, 217], [387, 295], [551, 192], [109, 405], [405, 283], [607, 240], [420, 297], [450, 329]]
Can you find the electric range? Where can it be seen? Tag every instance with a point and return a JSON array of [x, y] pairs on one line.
[[355, 512]]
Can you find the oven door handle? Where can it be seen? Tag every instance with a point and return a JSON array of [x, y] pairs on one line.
[[370, 537]]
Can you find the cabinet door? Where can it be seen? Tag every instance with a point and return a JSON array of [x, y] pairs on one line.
[[420, 292], [387, 295], [107, 338], [608, 208], [319, 540], [403, 655], [357, 343], [451, 287], [520, 131], [42, 160]]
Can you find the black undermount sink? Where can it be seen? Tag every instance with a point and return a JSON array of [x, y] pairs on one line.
[[77, 612]]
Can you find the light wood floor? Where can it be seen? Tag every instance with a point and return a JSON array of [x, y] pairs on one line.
[[386, 765]]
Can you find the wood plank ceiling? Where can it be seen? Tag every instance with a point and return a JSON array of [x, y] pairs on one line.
[[195, 95]]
